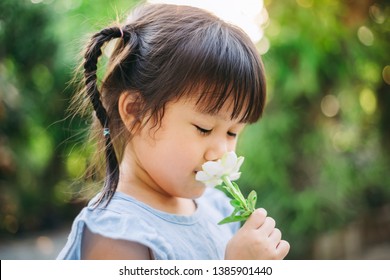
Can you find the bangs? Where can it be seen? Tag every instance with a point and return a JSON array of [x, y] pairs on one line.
[[222, 67]]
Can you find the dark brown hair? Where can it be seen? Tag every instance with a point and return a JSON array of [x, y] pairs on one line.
[[166, 52]]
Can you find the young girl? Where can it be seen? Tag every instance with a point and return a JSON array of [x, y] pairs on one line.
[[181, 86]]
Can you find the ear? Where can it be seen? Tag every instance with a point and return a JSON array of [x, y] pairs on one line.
[[129, 110]]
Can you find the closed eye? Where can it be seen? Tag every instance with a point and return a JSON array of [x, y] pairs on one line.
[[202, 130], [231, 134]]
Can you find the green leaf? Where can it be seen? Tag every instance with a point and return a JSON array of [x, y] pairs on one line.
[[235, 203], [236, 186], [246, 213], [223, 189], [232, 219], [236, 211], [252, 199]]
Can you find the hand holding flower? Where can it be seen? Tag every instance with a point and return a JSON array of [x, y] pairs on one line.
[[257, 238], [220, 174]]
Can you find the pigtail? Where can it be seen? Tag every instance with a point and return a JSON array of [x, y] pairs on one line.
[[91, 57]]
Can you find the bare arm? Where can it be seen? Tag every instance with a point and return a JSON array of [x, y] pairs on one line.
[[97, 247]]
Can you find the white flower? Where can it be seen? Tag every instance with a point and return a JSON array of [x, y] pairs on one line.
[[219, 174], [213, 171]]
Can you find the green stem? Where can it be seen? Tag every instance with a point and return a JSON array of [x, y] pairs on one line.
[[236, 193]]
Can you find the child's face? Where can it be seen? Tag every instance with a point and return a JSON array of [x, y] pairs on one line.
[[169, 156]]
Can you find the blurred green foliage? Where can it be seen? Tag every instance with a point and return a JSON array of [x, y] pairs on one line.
[[318, 158], [320, 155], [41, 149]]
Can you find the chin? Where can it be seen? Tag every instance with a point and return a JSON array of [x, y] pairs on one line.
[[194, 193], [200, 192]]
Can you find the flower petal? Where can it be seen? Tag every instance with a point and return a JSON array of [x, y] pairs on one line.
[[213, 171], [234, 176], [213, 168], [213, 183], [202, 176], [229, 161], [239, 162]]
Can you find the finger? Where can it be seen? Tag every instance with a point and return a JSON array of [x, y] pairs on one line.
[[268, 226], [256, 220], [282, 249], [275, 236]]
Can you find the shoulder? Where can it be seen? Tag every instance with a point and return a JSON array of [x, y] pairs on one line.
[[114, 231], [124, 218], [98, 247]]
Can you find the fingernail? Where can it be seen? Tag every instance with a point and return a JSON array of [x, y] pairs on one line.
[[263, 211]]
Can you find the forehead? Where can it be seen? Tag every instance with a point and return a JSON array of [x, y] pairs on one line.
[[225, 112]]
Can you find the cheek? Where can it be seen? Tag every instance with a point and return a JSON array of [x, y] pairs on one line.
[[168, 149], [179, 154], [181, 160], [232, 145], [164, 154]]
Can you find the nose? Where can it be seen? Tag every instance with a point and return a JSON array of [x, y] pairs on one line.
[[216, 150]]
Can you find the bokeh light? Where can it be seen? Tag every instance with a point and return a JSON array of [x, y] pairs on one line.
[[305, 3], [45, 245], [330, 105], [365, 36], [377, 14], [386, 74], [368, 101]]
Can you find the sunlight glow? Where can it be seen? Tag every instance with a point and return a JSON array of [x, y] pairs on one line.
[[250, 15]]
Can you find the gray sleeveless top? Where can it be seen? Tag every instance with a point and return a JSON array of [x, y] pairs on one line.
[[168, 236]]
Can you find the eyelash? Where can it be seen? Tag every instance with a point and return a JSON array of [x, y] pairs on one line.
[[231, 134], [203, 131], [208, 131]]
